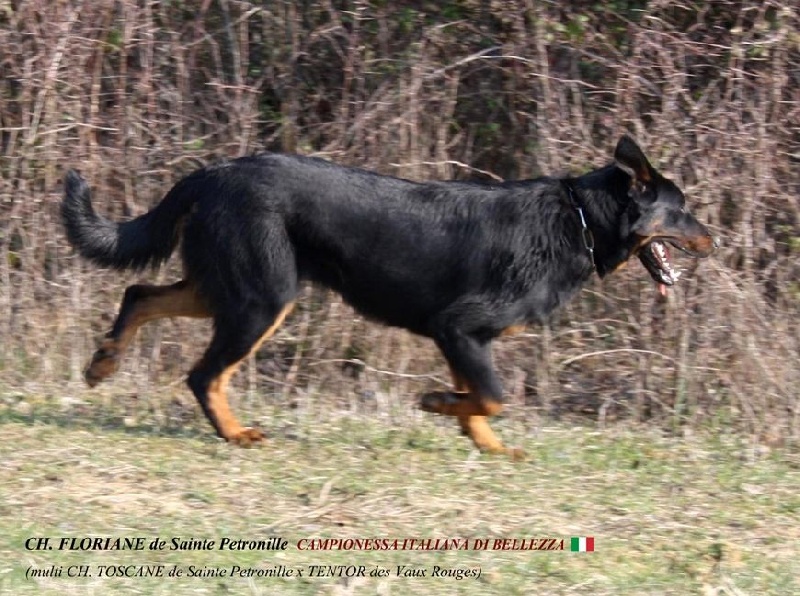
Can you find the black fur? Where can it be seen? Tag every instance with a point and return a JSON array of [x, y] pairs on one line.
[[458, 262], [146, 240]]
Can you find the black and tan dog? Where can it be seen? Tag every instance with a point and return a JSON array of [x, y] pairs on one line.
[[461, 263]]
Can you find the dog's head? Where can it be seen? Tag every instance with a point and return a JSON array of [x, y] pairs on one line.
[[657, 216]]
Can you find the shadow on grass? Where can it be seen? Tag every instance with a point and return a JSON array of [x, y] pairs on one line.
[[95, 419], [135, 419], [127, 414]]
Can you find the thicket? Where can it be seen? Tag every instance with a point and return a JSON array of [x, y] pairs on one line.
[[137, 94]]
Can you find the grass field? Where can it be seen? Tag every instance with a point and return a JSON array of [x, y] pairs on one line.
[[707, 513]]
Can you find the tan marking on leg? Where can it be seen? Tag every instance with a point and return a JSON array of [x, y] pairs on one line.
[[218, 407], [512, 330], [271, 331], [448, 403], [472, 417], [104, 363], [459, 383], [483, 436], [460, 386], [220, 415], [177, 300]]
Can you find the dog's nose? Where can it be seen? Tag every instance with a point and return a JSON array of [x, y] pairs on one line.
[[715, 240]]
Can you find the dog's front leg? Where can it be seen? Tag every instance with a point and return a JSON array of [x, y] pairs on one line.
[[477, 394]]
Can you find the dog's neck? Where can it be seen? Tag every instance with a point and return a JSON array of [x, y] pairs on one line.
[[602, 196], [587, 237]]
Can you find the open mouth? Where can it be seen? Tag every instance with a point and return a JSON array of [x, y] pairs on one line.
[[656, 259]]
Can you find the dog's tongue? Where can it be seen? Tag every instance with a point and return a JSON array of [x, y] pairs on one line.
[[662, 289]]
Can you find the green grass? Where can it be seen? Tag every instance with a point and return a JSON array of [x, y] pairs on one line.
[[706, 514]]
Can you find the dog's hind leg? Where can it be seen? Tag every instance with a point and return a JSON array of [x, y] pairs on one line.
[[233, 341], [142, 303]]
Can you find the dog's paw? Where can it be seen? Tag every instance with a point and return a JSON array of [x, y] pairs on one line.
[[104, 363], [440, 402], [247, 437]]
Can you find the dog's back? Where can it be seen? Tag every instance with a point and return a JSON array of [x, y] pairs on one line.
[[399, 251]]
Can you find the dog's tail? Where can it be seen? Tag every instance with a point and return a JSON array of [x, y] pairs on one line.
[[146, 240]]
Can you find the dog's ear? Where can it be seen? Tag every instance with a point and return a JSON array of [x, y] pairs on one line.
[[630, 159]]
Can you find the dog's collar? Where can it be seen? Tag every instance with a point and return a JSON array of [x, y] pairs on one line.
[[586, 233]]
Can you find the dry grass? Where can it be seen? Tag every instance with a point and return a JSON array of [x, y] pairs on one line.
[[705, 514]]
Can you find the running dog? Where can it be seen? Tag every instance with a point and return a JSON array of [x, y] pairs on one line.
[[461, 263]]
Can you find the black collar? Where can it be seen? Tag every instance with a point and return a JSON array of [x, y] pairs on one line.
[[586, 233]]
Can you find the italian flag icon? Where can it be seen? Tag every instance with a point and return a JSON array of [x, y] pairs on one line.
[[582, 544]]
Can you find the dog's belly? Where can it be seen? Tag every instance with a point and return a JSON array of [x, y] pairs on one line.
[[398, 302]]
